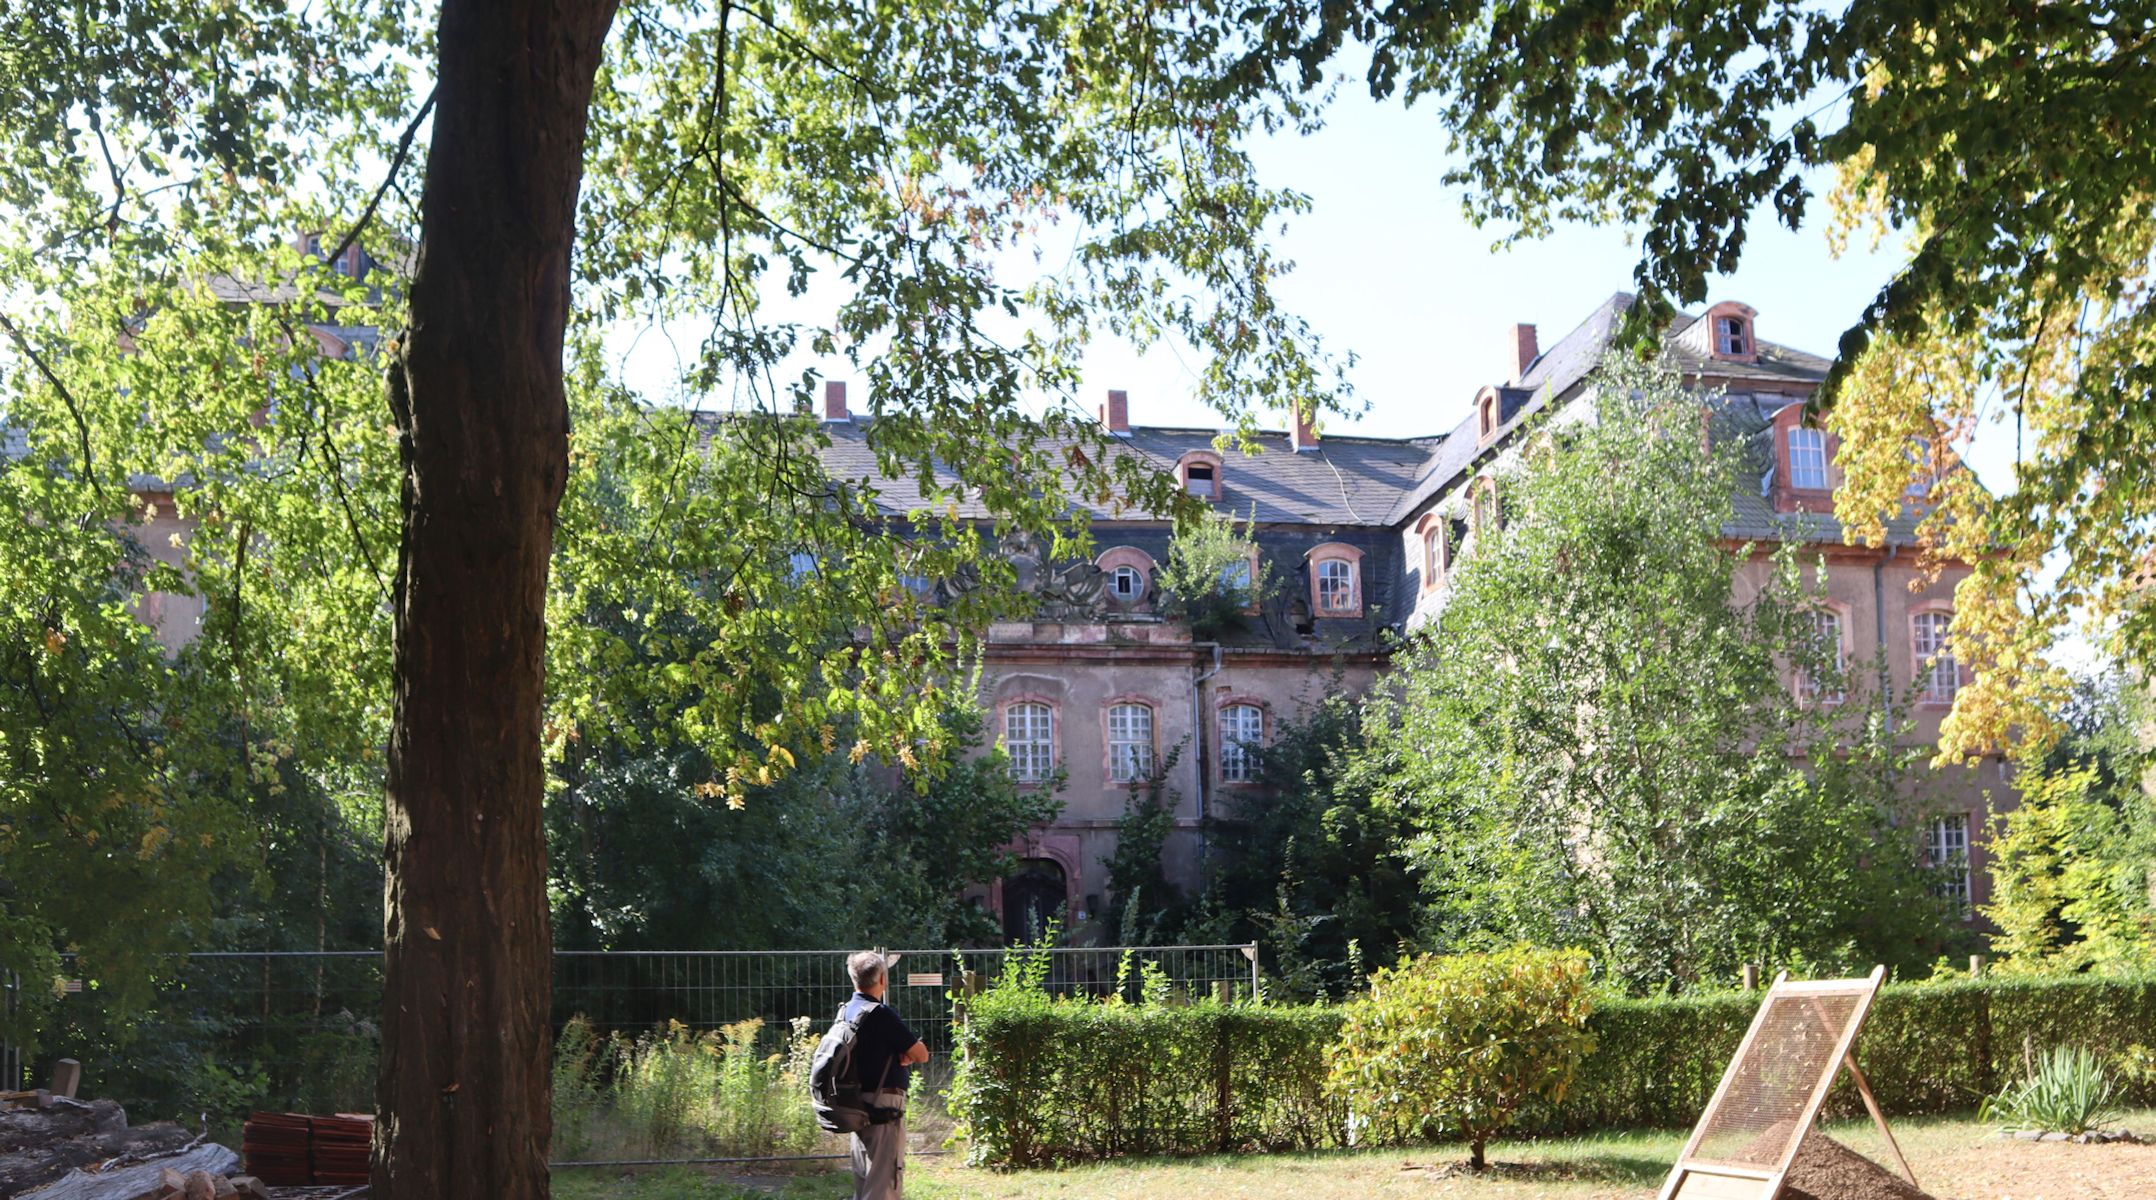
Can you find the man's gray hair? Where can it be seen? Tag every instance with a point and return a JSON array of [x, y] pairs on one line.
[[865, 967]]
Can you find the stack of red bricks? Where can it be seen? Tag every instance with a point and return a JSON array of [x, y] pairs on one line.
[[298, 1150]]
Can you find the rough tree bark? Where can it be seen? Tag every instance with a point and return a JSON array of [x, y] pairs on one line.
[[478, 396]]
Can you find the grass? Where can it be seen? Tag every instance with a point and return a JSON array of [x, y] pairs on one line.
[[1952, 1156]]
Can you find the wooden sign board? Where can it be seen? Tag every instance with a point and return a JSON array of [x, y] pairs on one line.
[[924, 980], [1770, 1095]]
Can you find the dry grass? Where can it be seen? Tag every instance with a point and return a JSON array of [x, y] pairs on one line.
[[1954, 1159]]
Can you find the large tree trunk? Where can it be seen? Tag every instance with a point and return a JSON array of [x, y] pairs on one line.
[[463, 1090]]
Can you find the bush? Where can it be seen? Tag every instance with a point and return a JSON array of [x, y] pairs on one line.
[[1046, 1080], [2067, 1090], [1457, 1045]]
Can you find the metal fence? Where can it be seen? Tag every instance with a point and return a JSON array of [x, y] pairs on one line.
[[298, 1029]]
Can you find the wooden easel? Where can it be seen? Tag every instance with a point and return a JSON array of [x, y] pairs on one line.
[[1696, 1178]]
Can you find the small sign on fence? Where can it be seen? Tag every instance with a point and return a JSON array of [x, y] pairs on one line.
[[924, 980]]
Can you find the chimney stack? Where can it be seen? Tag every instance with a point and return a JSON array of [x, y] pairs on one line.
[[1115, 413], [1305, 437], [1524, 350], [834, 403]]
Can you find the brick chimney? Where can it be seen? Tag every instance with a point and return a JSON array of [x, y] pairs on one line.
[[834, 403], [1115, 413], [1305, 437], [1524, 350]]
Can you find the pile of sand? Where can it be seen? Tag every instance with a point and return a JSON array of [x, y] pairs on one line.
[[1827, 1170]]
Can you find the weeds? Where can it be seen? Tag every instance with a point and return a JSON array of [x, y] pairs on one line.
[[675, 1093]]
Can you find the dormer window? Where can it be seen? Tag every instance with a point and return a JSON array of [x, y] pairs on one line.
[[1126, 584], [1199, 472], [1127, 575], [1483, 511], [1726, 331], [1336, 581], [1807, 459], [1486, 416], [1732, 336]]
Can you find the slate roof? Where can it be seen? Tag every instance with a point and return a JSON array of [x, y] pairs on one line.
[[1346, 480]]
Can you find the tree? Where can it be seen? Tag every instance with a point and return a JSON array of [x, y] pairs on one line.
[[1457, 1044], [162, 153], [1209, 579], [1314, 861], [2071, 864], [1598, 744], [2007, 144]]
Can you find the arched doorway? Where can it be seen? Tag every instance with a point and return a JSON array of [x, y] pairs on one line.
[[1033, 897]]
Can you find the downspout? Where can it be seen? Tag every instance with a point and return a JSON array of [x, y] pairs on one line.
[[1197, 731], [1879, 628]]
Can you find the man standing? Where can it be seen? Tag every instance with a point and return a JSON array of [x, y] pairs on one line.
[[884, 1052]]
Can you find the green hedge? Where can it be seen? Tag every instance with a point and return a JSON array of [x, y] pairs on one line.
[[1066, 1081], [1046, 1081], [1926, 1048]]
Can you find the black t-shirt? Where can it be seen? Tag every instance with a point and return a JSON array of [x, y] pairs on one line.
[[880, 1040]]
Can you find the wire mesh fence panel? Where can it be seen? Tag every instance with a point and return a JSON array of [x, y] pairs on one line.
[[220, 1033]]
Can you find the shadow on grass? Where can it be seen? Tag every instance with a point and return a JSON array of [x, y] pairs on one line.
[[1610, 1168]]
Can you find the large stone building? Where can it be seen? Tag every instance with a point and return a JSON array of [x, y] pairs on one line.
[[1358, 533]]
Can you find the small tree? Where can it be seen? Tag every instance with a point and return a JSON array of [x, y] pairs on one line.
[[1456, 1045], [1210, 579]]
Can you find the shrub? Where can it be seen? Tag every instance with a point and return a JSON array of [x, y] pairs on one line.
[[1458, 1044], [1046, 1080], [2066, 1090]]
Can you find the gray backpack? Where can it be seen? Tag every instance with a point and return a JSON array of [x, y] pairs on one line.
[[834, 1088]]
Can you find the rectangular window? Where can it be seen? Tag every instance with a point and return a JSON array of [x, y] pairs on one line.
[[1336, 585], [1948, 854], [1235, 579], [1029, 739], [1827, 653], [1729, 335], [1935, 667], [1242, 732], [1198, 480], [1130, 743], [1807, 460]]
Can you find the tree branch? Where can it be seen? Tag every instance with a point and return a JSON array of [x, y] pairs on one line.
[[82, 427], [396, 165]]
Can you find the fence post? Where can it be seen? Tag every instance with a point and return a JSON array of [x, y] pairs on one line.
[[1976, 966], [1257, 989], [1751, 977]]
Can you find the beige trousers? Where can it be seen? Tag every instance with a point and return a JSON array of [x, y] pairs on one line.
[[878, 1153]]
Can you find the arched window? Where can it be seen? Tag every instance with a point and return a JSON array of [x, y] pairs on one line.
[[1933, 654], [1242, 734], [1732, 336], [1029, 740], [1486, 416], [1128, 575], [1483, 511], [1127, 584], [1336, 580], [1199, 472], [1807, 459], [1130, 742], [1436, 549]]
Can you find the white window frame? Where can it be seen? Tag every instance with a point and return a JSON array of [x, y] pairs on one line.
[[1931, 650], [1338, 593], [1236, 577], [1242, 729], [1807, 459], [1029, 740], [1130, 742], [1115, 577], [1947, 850], [1200, 487]]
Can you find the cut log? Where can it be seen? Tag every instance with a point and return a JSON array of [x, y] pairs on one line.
[[250, 1187], [199, 1186], [66, 1077], [129, 1182]]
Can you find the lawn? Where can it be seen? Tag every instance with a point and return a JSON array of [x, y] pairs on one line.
[[1954, 1159]]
